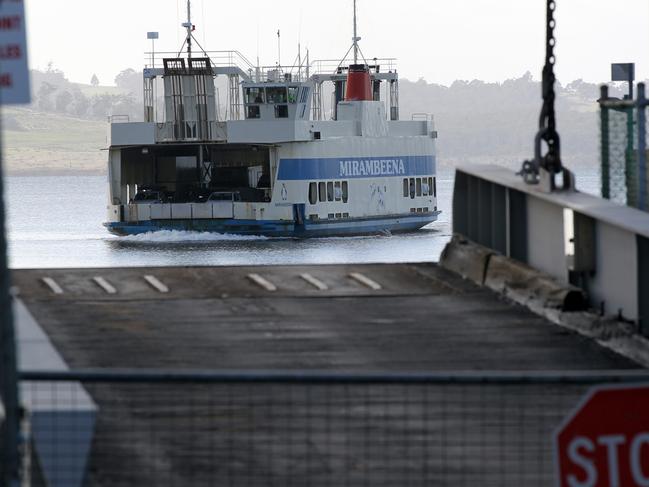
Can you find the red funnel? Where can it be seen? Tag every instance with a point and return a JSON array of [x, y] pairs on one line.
[[359, 84]]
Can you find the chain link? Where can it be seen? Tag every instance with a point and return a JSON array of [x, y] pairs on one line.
[[547, 123], [551, 160]]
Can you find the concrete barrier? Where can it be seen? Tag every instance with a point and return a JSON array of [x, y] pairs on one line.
[[466, 258], [513, 279], [530, 287]]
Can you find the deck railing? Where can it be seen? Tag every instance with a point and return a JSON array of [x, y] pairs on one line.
[[305, 428]]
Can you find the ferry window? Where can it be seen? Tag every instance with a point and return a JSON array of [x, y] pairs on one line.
[[435, 187], [330, 191], [292, 94], [405, 187], [255, 95], [338, 193], [322, 189], [281, 111], [424, 186], [253, 111], [418, 186], [313, 193], [345, 192], [276, 95], [412, 187]]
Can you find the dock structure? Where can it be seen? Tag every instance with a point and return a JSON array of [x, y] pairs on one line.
[[344, 377], [416, 317]]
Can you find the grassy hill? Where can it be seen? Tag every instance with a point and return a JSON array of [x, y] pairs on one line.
[[37, 143]]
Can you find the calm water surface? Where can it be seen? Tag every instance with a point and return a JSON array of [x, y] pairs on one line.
[[56, 221]]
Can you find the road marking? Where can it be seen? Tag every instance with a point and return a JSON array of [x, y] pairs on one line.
[[264, 283], [156, 284], [105, 285], [53, 285], [365, 281], [316, 283]]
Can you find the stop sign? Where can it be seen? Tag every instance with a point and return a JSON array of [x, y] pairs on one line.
[[605, 441]]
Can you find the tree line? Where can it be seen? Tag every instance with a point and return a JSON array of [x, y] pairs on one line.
[[54, 93]]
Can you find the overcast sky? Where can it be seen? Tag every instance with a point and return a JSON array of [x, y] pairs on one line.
[[439, 40]]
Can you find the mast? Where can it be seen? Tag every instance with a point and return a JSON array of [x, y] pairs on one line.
[[188, 25], [356, 38]]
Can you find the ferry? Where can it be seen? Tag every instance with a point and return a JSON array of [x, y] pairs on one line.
[[280, 162]]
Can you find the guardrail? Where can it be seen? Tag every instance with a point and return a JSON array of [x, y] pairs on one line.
[[312, 428], [576, 238]]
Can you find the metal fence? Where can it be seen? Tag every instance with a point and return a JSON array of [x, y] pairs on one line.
[[623, 144], [274, 429]]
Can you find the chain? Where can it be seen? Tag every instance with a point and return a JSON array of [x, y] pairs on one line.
[[547, 133]]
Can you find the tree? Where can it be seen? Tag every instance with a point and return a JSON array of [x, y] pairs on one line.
[[63, 101], [102, 105], [81, 103], [44, 92], [94, 81], [130, 81]]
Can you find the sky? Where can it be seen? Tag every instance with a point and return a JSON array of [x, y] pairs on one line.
[[438, 40]]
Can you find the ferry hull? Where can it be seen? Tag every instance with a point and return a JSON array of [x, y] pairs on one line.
[[346, 227]]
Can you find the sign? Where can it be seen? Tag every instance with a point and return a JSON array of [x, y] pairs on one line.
[[623, 72], [14, 72], [152, 35], [605, 441]]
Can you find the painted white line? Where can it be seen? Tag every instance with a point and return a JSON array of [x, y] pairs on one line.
[[105, 285], [365, 281], [156, 284], [316, 283], [53, 285], [264, 283]]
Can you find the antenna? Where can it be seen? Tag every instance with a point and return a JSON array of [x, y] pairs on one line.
[[279, 50], [355, 39], [188, 25]]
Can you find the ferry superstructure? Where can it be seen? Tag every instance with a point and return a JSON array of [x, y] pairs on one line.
[[273, 166]]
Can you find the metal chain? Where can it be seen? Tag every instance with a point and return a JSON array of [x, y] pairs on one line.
[[547, 123], [547, 133]]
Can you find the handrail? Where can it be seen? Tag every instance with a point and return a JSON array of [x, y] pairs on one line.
[[322, 377]]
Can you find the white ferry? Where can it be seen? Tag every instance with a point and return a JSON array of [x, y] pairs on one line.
[[273, 166]]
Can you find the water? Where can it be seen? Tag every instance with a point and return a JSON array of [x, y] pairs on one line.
[[56, 221]]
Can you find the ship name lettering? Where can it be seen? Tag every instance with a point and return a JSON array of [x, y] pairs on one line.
[[372, 167]]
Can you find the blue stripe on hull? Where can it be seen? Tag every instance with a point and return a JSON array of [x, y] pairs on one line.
[[354, 167], [321, 228]]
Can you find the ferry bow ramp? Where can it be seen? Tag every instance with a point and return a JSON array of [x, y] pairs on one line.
[[363, 318], [305, 375]]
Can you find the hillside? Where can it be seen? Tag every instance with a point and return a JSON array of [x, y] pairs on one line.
[[36, 142], [496, 122]]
